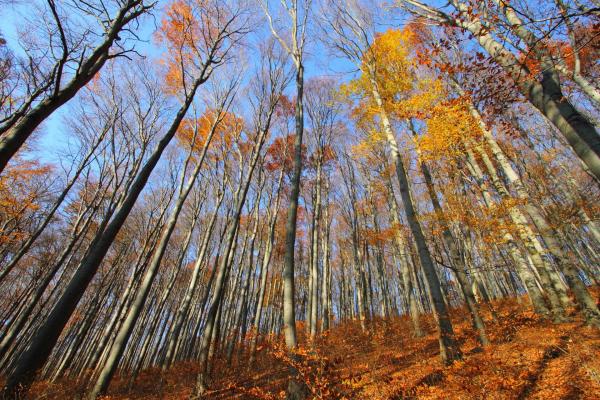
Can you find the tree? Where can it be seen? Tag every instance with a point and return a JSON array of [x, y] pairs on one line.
[[207, 54], [384, 67], [298, 14], [46, 93], [543, 90]]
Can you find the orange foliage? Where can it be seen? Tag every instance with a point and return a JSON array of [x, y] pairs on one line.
[[528, 358], [588, 40], [194, 133], [187, 30], [19, 197], [280, 154]]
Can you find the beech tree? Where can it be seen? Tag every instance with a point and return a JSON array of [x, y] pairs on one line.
[[542, 88], [176, 227], [378, 84], [210, 53], [48, 80], [298, 13]]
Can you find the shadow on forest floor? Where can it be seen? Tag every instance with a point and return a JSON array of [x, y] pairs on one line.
[[529, 358]]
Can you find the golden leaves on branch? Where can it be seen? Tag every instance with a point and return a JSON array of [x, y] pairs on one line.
[[408, 93], [193, 133], [20, 196], [188, 30], [449, 126]]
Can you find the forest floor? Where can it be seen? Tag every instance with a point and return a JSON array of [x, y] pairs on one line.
[[528, 359]]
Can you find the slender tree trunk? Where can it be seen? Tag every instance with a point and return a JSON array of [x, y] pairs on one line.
[[47, 335], [314, 272], [401, 247], [449, 349], [325, 290], [182, 311], [265, 270], [227, 260], [295, 391], [456, 259]]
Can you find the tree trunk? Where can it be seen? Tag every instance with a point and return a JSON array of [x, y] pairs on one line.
[[449, 349], [545, 95], [47, 335]]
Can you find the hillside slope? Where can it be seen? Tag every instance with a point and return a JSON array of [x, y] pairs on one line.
[[529, 359]]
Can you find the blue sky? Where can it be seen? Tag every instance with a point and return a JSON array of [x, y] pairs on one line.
[[53, 135]]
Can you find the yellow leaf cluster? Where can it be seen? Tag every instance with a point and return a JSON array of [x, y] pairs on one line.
[[388, 65], [389, 58], [449, 126]]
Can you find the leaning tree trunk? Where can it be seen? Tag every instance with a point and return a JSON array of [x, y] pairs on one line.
[[456, 259], [122, 338], [545, 94], [584, 299], [449, 349], [48, 333], [535, 295], [22, 125], [182, 311], [405, 267]]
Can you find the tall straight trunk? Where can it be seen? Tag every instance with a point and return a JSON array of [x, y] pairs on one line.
[[308, 294], [238, 318], [357, 259], [195, 349], [557, 295], [456, 259], [289, 312], [47, 335], [211, 324], [326, 290], [449, 349], [295, 391], [553, 291], [314, 272], [236, 322]]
